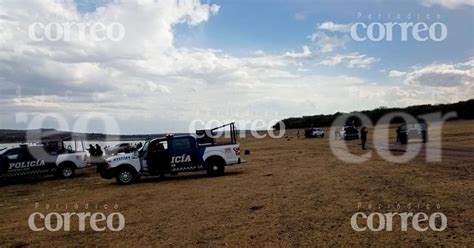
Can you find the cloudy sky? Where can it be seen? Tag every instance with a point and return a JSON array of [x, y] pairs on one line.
[[183, 62]]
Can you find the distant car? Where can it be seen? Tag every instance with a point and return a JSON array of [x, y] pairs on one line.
[[347, 133], [413, 131], [313, 132], [119, 148]]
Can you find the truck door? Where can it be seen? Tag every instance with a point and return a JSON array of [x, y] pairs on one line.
[[157, 156], [9, 159], [19, 161], [183, 153]]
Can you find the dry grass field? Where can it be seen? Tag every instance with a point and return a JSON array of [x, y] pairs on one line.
[[292, 192]]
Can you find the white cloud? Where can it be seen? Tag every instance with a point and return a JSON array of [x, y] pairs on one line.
[[305, 54], [325, 43], [442, 75], [469, 63], [450, 4], [150, 85], [214, 9], [353, 60], [145, 74], [334, 27], [395, 73]]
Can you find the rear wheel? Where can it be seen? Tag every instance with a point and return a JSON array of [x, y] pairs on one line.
[[66, 170], [215, 167], [126, 175]]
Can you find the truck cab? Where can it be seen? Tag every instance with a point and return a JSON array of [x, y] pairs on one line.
[[174, 154]]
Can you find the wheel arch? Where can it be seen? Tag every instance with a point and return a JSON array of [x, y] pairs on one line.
[[215, 157], [125, 165], [213, 153], [67, 162]]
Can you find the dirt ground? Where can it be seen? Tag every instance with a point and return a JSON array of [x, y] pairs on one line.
[[292, 192]]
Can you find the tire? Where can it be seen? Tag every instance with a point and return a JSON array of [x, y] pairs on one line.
[[126, 175], [215, 166], [66, 170]]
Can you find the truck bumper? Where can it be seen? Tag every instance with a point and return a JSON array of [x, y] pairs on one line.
[[105, 172]]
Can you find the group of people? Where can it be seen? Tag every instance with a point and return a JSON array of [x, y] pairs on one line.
[[95, 151]]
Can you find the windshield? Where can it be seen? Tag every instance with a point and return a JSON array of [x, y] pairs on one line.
[[3, 150], [145, 146]]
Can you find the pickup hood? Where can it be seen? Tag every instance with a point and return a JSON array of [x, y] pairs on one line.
[[121, 158]]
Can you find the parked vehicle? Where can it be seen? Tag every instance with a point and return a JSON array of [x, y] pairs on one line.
[[313, 132], [413, 131], [174, 154], [51, 157], [119, 148], [347, 133]]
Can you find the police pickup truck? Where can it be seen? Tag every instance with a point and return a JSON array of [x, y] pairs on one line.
[[46, 158], [173, 154], [347, 133], [406, 132]]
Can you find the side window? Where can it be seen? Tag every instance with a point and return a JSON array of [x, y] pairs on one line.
[[145, 146], [14, 154], [39, 153], [158, 146], [164, 144], [183, 145]]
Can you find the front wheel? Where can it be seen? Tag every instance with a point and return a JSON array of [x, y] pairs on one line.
[[126, 176]]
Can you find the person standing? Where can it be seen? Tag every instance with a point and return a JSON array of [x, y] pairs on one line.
[[91, 150], [363, 136], [99, 151]]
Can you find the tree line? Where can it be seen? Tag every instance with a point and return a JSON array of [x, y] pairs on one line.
[[464, 110]]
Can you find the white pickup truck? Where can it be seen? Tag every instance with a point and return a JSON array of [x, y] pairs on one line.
[[41, 159], [314, 132], [173, 154]]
